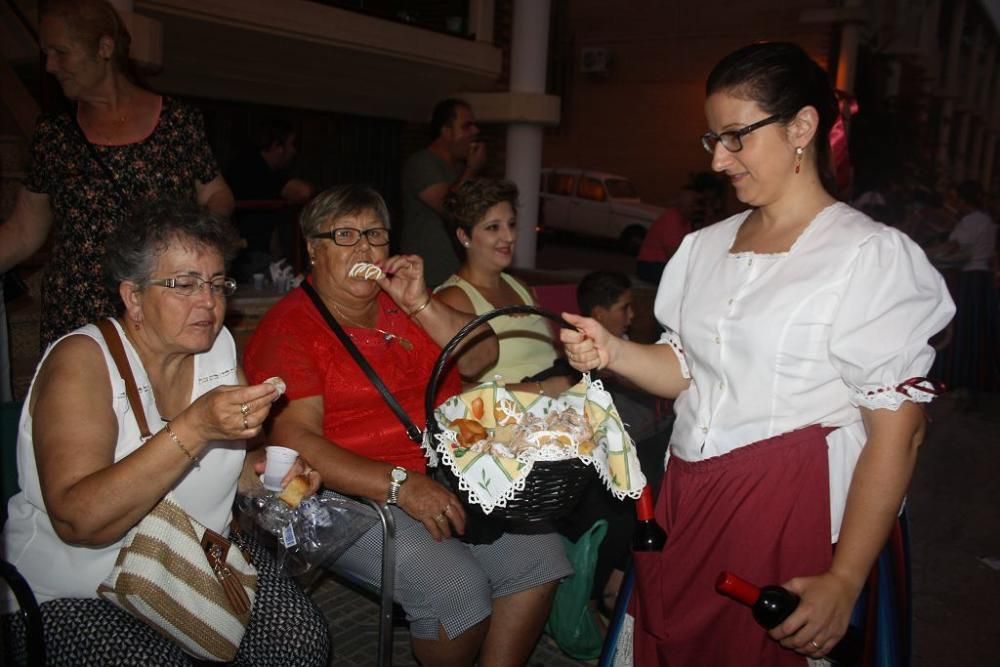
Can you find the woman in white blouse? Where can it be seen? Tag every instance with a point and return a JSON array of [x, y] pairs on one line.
[[795, 345]]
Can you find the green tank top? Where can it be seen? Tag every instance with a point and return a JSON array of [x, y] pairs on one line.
[[525, 340]]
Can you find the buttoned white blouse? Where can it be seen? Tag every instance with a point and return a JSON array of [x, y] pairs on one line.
[[777, 342]]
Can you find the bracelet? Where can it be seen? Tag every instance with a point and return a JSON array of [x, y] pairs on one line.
[[415, 311], [541, 387], [177, 441]]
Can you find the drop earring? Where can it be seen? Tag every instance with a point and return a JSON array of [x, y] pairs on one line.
[[798, 158]]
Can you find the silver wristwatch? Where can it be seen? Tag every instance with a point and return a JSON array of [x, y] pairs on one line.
[[396, 478]]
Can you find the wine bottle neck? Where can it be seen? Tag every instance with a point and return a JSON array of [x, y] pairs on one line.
[[739, 589], [644, 507]]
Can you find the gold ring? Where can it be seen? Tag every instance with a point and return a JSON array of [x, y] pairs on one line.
[[446, 508], [814, 644], [245, 409], [440, 517], [246, 424]]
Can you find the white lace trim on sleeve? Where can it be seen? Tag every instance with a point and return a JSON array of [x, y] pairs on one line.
[[674, 341], [889, 397]]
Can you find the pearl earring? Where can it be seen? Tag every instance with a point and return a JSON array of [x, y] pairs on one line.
[[466, 244]]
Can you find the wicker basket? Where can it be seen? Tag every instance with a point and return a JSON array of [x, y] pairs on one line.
[[553, 488]]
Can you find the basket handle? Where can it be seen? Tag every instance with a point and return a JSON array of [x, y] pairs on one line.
[[450, 346]]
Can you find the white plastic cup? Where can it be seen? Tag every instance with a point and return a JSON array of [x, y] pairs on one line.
[[258, 281], [279, 462]]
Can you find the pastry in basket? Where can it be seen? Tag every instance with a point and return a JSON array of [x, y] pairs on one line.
[[560, 429], [506, 412], [468, 431]]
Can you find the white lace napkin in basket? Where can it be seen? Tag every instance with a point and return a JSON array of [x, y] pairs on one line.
[[492, 480]]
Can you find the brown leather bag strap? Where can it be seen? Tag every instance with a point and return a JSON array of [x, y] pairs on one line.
[[117, 351]]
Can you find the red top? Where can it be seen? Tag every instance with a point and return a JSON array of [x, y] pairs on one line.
[[664, 237], [294, 342]]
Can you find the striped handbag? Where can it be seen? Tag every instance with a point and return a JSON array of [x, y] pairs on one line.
[[186, 581]]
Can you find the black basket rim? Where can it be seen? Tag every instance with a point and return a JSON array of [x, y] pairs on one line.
[[449, 347]]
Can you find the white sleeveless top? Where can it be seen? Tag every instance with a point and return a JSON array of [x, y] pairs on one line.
[[55, 569]]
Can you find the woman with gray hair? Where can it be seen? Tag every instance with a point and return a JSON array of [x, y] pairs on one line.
[[462, 601], [87, 476]]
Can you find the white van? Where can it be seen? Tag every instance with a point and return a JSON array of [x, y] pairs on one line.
[[596, 204]]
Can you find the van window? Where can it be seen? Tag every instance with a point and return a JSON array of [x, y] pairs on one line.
[[592, 189], [561, 184]]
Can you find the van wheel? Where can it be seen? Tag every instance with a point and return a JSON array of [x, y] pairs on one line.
[[631, 239]]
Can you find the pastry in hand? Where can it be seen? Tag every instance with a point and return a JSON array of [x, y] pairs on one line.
[[295, 491], [279, 384], [366, 271]]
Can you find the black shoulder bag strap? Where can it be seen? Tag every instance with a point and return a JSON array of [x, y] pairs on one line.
[[412, 432], [96, 157]]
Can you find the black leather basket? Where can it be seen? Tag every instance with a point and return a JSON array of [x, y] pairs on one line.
[[552, 488]]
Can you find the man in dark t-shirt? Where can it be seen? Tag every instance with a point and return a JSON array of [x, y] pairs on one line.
[[263, 191], [454, 155]]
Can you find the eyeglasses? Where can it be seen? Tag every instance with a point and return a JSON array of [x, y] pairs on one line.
[[188, 285], [348, 236], [732, 140]]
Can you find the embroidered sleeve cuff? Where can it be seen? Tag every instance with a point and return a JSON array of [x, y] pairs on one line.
[[890, 397], [674, 341]]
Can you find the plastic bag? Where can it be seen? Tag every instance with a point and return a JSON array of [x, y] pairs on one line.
[[321, 528], [571, 623]]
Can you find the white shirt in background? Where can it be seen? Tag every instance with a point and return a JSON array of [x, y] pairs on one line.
[[976, 235]]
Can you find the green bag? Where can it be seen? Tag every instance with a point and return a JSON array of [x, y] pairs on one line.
[[571, 623]]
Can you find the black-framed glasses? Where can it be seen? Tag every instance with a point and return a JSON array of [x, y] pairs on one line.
[[732, 140], [348, 236], [188, 285]]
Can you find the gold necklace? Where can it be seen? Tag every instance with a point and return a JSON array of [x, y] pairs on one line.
[[387, 336]]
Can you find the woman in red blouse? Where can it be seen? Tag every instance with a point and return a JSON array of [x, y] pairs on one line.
[[462, 601]]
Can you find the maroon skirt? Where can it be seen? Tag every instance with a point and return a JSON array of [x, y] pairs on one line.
[[761, 512]]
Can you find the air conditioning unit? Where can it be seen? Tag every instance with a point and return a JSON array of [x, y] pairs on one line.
[[595, 60]]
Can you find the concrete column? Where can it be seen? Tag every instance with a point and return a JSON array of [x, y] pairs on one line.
[[528, 62]]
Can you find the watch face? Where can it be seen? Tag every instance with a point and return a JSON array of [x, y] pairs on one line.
[[398, 475]]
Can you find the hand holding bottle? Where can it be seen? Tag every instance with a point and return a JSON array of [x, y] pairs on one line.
[[823, 616], [782, 611]]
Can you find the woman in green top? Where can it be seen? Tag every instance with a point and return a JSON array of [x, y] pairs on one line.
[[482, 214]]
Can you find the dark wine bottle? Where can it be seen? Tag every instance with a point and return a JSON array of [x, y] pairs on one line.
[[648, 535], [771, 605]]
